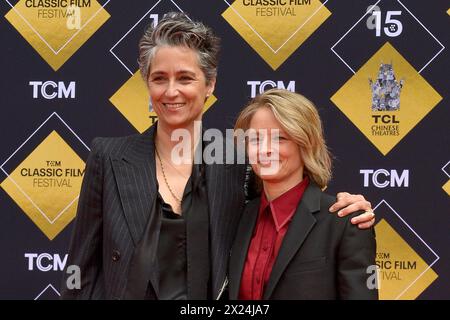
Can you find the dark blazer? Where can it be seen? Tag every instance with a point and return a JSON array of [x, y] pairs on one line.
[[115, 204], [322, 256]]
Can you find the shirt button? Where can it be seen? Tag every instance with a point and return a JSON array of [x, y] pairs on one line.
[[116, 255], [265, 248]]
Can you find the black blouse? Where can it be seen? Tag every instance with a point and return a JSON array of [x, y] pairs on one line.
[[183, 246], [172, 255]]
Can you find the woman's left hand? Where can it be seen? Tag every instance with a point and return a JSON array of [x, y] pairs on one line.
[[348, 203]]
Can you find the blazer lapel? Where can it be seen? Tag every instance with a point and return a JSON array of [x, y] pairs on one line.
[[212, 174], [135, 174], [299, 228], [241, 244], [225, 201]]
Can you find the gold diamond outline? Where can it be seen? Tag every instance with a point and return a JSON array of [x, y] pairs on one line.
[[42, 38], [35, 205], [17, 185], [262, 39], [417, 235]]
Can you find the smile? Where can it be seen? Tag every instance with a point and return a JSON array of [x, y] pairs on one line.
[[267, 163], [173, 106]]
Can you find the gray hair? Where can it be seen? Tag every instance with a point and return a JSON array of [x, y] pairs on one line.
[[175, 29]]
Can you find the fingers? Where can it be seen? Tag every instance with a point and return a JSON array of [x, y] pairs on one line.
[[342, 201], [363, 218], [353, 207], [366, 225], [341, 195], [350, 204]]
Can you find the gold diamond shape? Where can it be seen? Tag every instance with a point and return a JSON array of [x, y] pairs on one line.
[[275, 37], [132, 100], [403, 273], [446, 187], [417, 98], [51, 37], [47, 183]]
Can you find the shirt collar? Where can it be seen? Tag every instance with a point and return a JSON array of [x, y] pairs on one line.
[[283, 207]]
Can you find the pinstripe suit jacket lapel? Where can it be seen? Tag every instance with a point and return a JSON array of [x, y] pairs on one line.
[[135, 174], [226, 199]]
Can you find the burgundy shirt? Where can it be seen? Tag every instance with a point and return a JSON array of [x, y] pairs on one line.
[[273, 221]]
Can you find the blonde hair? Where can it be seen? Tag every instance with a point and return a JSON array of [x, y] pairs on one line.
[[299, 118]]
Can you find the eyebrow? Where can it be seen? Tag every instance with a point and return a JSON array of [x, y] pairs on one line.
[[282, 134], [191, 73]]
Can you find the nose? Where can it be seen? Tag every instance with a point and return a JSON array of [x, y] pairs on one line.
[[172, 89], [264, 146]]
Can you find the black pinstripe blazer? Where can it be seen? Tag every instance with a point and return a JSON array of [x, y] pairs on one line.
[[118, 190]]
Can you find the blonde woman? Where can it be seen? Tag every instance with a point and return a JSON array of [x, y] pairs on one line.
[[287, 245]]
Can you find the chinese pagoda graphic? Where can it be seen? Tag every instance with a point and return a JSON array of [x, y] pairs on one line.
[[386, 90]]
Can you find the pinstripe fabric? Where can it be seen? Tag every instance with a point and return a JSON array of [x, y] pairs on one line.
[[118, 190]]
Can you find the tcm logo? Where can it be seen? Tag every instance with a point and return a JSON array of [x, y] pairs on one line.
[[45, 261], [383, 178], [257, 87], [51, 90]]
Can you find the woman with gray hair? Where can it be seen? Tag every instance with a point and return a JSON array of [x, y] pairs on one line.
[[149, 227]]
